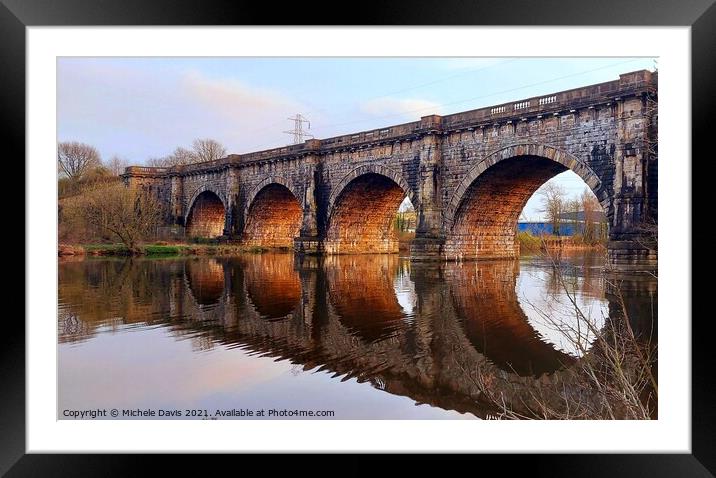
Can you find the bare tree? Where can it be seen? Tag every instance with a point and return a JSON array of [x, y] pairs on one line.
[[157, 162], [593, 227], [116, 165], [207, 149], [179, 157], [75, 159], [201, 150], [650, 224], [129, 214], [554, 204], [182, 156], [574, 207]]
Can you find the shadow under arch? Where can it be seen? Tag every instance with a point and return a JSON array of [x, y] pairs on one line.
[[361, 209], [481, 217], [361, 290], [486, 304], [206, 215], [273, 214], [205, 279]]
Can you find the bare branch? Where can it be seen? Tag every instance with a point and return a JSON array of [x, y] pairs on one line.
[[207, 149], [75, 160]]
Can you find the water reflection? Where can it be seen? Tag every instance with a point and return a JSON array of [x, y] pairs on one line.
[[423, 333], [205, 279], [485, 301], [273, 287], [564, 302], [361, 291]]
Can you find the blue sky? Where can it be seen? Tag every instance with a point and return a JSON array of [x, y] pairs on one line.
[[138, 108]]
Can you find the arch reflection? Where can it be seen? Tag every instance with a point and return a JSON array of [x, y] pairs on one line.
[[205, 279], [486, 303], [362, 292], [272, 285]]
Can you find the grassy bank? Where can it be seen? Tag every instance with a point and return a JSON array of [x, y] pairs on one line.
[[528, 243], [161, 250], [531, 243]]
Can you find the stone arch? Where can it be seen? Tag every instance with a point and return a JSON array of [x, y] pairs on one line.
[[375, 169], [496, 189], [526, 149], [361, 208], [213, 205], [267, 182], [272, 214], [198, 191]]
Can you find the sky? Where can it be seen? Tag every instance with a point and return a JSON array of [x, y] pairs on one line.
[[140, 108]]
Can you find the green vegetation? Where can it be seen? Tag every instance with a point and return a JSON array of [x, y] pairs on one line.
[[528, 241], [161, 250], [405, 221]]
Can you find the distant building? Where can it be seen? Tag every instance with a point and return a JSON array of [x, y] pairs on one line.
[[537, 228], [578, 216]]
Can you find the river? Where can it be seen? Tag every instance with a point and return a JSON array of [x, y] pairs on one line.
[[345, 337]]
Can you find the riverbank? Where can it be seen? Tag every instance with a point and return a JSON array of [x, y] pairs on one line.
[[159, 249], [528, 243], [532, 243]]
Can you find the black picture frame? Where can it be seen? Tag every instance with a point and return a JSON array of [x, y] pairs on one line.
[[16, 15]]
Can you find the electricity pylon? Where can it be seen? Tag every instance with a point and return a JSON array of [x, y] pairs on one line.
[[298, 133]]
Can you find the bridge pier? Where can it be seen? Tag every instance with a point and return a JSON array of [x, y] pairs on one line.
[[631, 256], [309, 245], [427, 248]]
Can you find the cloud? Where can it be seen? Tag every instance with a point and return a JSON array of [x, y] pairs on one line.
[[412, 108], [245, 117], [232, 97], [140, 111]]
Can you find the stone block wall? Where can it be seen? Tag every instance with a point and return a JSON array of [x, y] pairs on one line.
[[274, 218], [467, 175], [206, 217]]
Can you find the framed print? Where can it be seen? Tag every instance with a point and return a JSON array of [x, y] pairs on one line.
[[431, 231]]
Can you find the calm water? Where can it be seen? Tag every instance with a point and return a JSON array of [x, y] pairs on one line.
[[371, 336]]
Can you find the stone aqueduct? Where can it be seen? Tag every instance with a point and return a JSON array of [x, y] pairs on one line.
[[468, 176]]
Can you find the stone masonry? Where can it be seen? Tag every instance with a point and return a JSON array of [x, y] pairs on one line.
[[468, 176]]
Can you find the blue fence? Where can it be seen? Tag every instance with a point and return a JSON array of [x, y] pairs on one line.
[[539, 228]]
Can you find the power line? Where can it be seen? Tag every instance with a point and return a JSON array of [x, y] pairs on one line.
[[429, 83], [530, 85], [297, 131], [432, 108], [317, 109], [439, 80]]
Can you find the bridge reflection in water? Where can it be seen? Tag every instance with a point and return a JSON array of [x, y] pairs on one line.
[[432, 334]]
